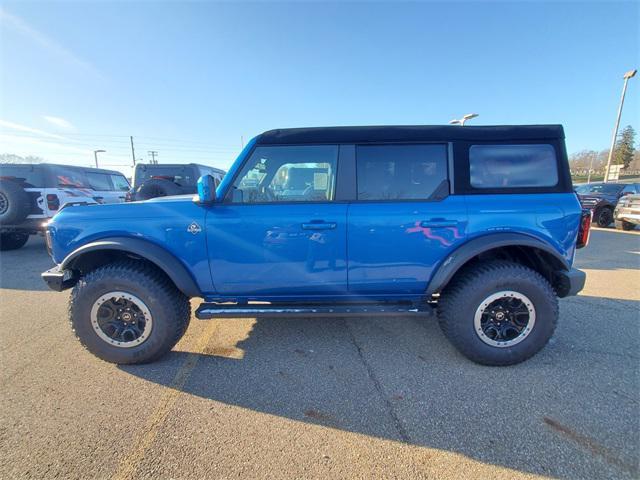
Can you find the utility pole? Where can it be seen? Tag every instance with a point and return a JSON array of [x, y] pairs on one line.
[[95, 155], [153, 154], [627, 76], [133, 152], [242, 141]]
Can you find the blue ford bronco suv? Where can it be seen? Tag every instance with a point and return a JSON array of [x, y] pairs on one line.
[[479, 223]]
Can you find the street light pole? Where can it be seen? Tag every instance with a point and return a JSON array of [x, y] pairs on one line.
[[95, 155], [627, 76], [460, 122]]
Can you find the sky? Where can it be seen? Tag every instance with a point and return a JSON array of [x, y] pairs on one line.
[[194, 80]]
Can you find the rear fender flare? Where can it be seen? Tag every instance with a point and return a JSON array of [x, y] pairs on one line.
[[458, 258]]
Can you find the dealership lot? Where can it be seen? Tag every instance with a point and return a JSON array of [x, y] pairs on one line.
[[346, 398]]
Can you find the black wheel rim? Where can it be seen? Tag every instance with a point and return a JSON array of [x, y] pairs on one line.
[[604, 218], [504, 318], [121, 319], [4, 203]]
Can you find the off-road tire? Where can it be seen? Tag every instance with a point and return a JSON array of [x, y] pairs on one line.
[[13, 240], [622, 225], [157, 187], [15, 203], [460, 299], [604, 217], [169, 308]]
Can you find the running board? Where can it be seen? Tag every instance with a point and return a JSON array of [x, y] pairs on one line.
[[225, 310]]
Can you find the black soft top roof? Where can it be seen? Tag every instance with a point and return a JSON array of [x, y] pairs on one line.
[[410, 133]]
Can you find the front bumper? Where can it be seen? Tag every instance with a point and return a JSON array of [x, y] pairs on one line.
[[570, 283], [58, 279]]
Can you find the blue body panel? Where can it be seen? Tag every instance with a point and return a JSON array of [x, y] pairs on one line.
[[162, 221], [553, 218], [394, 246], [278, 249], [333, 250]]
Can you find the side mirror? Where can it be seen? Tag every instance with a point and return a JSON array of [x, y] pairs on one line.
[[206, 189]]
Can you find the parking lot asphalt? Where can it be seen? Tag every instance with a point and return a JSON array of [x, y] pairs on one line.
[[324, 398]]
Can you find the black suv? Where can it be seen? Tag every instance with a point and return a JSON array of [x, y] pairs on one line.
[[602, 198], [162, 180]]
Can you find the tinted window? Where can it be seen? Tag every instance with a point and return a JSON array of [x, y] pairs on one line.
[[32, 177], [513, 166], [99, 181], [287, 174], [120, 183], [629, 189], [178, 174], [70, 177], [400, 172]]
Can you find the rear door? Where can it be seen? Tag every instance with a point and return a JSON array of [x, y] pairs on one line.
[[404, 220]]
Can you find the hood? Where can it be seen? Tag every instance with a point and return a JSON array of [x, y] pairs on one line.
[[151, 208]]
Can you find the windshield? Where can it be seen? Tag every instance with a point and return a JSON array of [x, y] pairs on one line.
[[180, 175]]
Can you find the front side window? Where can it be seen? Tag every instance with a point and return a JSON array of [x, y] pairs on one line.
[[120, 183], [400, 172], [288, 173], [99, 181], [513, 166]]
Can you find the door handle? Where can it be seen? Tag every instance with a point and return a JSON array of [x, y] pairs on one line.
[[439, 223], [318, 226]]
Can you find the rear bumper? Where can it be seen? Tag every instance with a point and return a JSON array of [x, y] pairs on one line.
[[627, 216], [570, 282], [58, 279]]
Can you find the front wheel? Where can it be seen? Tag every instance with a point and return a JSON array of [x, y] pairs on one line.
[[498, 313], [128, 312]]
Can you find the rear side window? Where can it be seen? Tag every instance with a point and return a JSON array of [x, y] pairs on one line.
[[30, 176], [513, 166], [70, 178], [99, 181], [400, 172]]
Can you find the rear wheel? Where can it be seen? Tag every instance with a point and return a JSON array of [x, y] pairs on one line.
[[498, 313], [604, 217], [622, 225], [128, 312], [13, 240]]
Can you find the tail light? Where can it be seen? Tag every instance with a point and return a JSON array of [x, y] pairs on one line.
[[585, 228], [53, 202]]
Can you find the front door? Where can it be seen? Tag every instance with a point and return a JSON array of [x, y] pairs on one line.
[[279, 232]]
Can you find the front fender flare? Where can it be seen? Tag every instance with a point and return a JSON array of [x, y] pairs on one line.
[[450, 266], [147, 250]]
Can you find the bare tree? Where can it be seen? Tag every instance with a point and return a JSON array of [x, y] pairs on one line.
[[12, 158]]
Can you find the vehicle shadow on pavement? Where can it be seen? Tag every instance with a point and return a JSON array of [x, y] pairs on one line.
[[21, 269], [398, 379]]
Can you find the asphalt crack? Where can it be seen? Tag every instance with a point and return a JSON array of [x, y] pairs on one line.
[[402, 432]]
